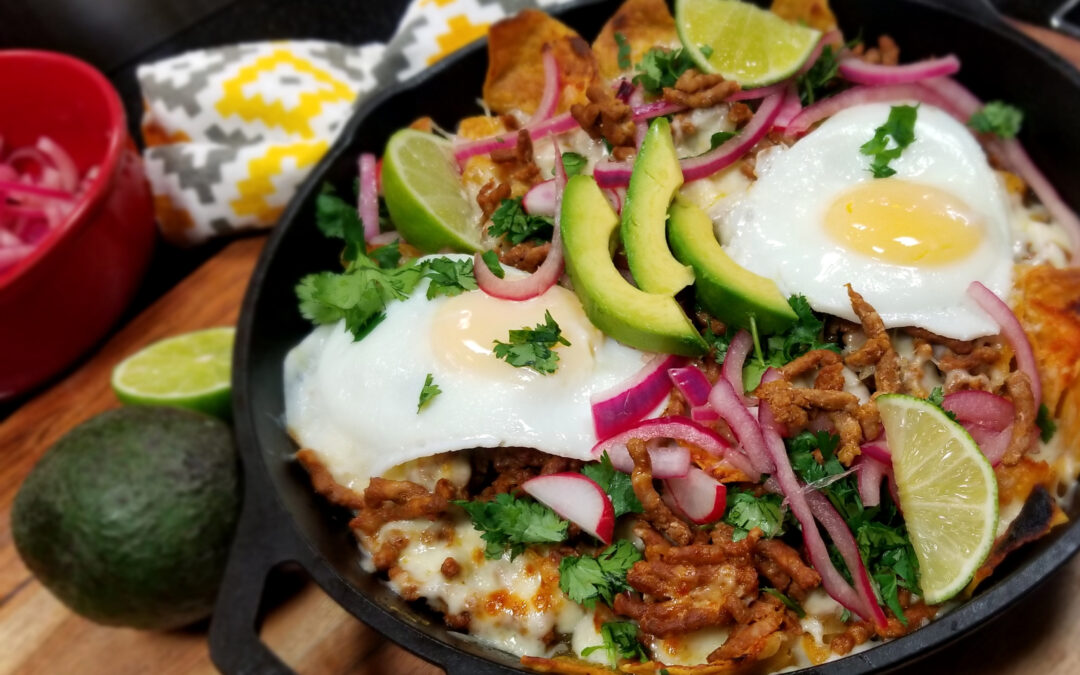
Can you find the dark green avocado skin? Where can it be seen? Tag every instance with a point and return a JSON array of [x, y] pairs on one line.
[[129, 517]]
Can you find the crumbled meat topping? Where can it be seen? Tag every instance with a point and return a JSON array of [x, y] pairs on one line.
[[695, 89]]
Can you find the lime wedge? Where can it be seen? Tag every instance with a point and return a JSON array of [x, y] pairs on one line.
[[750, 45], [948, 493], [188, 371], [424, 194]]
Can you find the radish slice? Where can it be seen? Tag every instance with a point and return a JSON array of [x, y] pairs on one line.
[[540, 199], [668, 461], [729, 406], [1013, 332], [860, 72], [369, 196], [980, 408], [788, 485], [620, 408], [553, 126], [677, 428], [692, 384], [858, 96], [732, 370], [545, 276], [699, 496], [992, 443], [549, 100], [577, 498], [870, 474]]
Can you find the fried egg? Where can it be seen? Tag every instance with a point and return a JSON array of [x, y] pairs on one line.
[[911, 244], [355, 402]]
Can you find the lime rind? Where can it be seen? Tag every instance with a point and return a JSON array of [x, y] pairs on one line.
[[750, 45], [948, 493]]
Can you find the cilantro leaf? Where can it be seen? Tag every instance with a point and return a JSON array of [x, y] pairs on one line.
[[718, 343], [1046, 424], [620, 642], [815, 82], [338, 219], [429, 391], [508, 522], [624, 50], [788, 602], [661, 68], [890, 139], [533, 347], [937, 397], [803, 336], [719, 138], [615, 483], [745, 512], [387, 257], [998, 118], [491, 260], [449, 277], [585, 578], [573, 163], [511, 221]]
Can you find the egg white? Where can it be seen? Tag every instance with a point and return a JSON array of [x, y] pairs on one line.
[[777, 231], [355, 403]]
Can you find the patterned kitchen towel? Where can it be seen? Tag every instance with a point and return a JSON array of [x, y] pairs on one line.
[[230, 132]]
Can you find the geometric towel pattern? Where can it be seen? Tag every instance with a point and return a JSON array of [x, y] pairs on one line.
[[230, 132]]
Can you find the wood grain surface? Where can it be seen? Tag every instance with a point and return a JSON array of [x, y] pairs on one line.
[[310, 632]]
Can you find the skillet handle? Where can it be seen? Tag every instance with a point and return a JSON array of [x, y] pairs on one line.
[[259, 546], [973, 9]]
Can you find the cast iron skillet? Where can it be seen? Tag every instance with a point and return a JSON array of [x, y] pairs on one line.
[[284, 521]]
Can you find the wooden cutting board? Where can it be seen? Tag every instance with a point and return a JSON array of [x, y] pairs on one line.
[[308, 630]]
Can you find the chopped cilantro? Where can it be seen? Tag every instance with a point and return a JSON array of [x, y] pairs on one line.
[[573, 163], [815, 82], [788, 602], [429, 391], [615, 483], [1046, 424], [624, 50], [998, 118], [508, 522], [718, 343], [511, 221], [781, 348], [719, 138], [898, 132], [937, 397], [449, 277], [620, 642], [533, 347], [491, 260], [745, 512], [661, 68], [338, 219], [585, 578], [387, 257], [845, 615]]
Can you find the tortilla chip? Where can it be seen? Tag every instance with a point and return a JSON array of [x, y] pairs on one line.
[[644, 23], [813, 13], [515, 75]]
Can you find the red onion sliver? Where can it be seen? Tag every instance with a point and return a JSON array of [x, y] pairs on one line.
[[648, 111], [692, 384], [790, 109], [620, 408], [728, 152], [729, 406], [553, 126], [833, 38], [1013, 332], [858, 96], [36, 190], [878, 450], [860, 72], [704, 414], [958, 99], [980, 408], [870, 474], [68, 172], [759, 93], [732, 370], [369, 196], [540, 199], [680, 429], [549, 100]]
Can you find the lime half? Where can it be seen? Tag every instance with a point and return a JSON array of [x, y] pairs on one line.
[[750, 45], [188, 371], [424, 194], [948, 493]]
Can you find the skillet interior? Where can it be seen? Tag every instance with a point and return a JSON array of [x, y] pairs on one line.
[[285, 521]]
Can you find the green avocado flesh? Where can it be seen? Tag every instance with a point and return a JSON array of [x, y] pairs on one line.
[[727, 290], [656, 177], [128, 519], [647, 321]]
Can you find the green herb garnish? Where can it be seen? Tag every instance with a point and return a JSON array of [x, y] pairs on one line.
[[491, 261], [890, 139], [745, 511], [449, 277], [624, 50], [573, 163], [937, 397], [508, 522], [661, 68], [585, 578], [719, 138], [998, 118], [616, 484], [533, 347], [788, 602], [429, 391], [620, 642], [511, 221], [1046, 424]]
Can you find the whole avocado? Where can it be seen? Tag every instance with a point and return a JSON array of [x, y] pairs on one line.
[[128, 518]]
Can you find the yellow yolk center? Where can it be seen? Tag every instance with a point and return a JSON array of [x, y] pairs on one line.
[[465, 328], [903, 223]]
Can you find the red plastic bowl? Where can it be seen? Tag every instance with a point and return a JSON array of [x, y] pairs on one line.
[[62, 298]]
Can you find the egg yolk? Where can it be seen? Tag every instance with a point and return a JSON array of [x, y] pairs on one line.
[[465, 328], [903, 223]]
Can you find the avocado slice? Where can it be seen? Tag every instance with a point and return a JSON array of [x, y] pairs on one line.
[[656, 177], [726, 289], [647, 321]]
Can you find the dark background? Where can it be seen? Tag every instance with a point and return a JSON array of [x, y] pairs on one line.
[[117, 35]]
